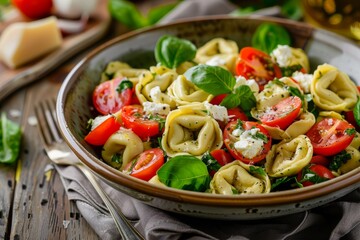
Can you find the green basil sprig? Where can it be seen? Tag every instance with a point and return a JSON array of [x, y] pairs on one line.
[[269, 35], [185, 172], [10, 139], [171, 51], [216, 80]]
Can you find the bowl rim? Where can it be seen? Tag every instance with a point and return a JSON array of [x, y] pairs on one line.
[[114, 176]]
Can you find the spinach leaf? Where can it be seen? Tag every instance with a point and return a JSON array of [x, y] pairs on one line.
[[268, 36], [212, 79], [185, 172], [10, 139], [171, 51], [357, 112], [308, 175], [339, 159], [127, 13]]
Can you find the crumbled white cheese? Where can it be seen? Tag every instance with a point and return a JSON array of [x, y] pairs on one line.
[[240, 80], [216, 61], [237, 132], [217, 112], [99, 120], [156, 108], [304, 80], [282, 55], [248, 145], [155, 94]]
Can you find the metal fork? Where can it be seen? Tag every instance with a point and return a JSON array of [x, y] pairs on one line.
[[59, 153]]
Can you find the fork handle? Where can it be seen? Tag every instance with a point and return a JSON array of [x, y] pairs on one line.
[[126, 229]]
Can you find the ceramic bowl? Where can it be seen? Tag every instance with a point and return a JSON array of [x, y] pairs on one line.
[[74, 109]]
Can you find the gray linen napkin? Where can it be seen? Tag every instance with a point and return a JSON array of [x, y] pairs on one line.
[[340, 219]]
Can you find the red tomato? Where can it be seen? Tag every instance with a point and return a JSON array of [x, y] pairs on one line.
[[230, 139], [255, 64], [99, 135], [283, 113], [133, 117], [349, 116], [221, 156], [34, 8], [146, 164], [319, 170], [320, 160], [107, 99], [236, 113], [329, 136], [218, 99]]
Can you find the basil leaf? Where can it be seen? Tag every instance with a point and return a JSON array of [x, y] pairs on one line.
[[172, 51], [185, 172], [231, 101], [212, 79], [268, 36], [127, 13], [124, 84], [308, 175], [357, 112], [10, 139], [292, 9], [157, 13], [257, 170], [248, 100]]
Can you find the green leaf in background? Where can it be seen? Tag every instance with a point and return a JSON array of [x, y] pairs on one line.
[[212, 79], [292, 9], [185, 172], [10, 139], [239, 12], [171, 51], [157, 13], [268, 36], [127, 13]]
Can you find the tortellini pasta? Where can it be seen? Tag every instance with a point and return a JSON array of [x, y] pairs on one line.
[[121, 148], [153, 86], [190, 130], [239, 178], [183, 92], [218, 52], [118, 69], [353, 162], [287, 158], [300, 126], [272, 94], [333, 90]]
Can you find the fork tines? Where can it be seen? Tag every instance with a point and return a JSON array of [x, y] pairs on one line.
[[46, 115]]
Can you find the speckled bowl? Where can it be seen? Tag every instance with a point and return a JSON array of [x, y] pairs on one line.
[[74, 109]]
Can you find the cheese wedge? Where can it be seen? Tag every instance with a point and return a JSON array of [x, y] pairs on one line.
[[23, 42]]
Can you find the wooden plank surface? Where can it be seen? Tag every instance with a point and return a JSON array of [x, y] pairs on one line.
[[33, 201]]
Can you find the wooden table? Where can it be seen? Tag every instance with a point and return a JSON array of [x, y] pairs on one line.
[[33, 201]]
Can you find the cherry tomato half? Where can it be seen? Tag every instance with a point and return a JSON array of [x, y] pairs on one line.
[[283, 113], [146, 164], [107, 99], [330, 136], [319, 170], [236, 113], [221, 156], [255, 64], [99, 135], [320, 160], [230, 139], [34, 8], [134, 118]]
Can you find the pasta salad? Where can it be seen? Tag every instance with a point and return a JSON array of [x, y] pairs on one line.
[[225, 120]]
